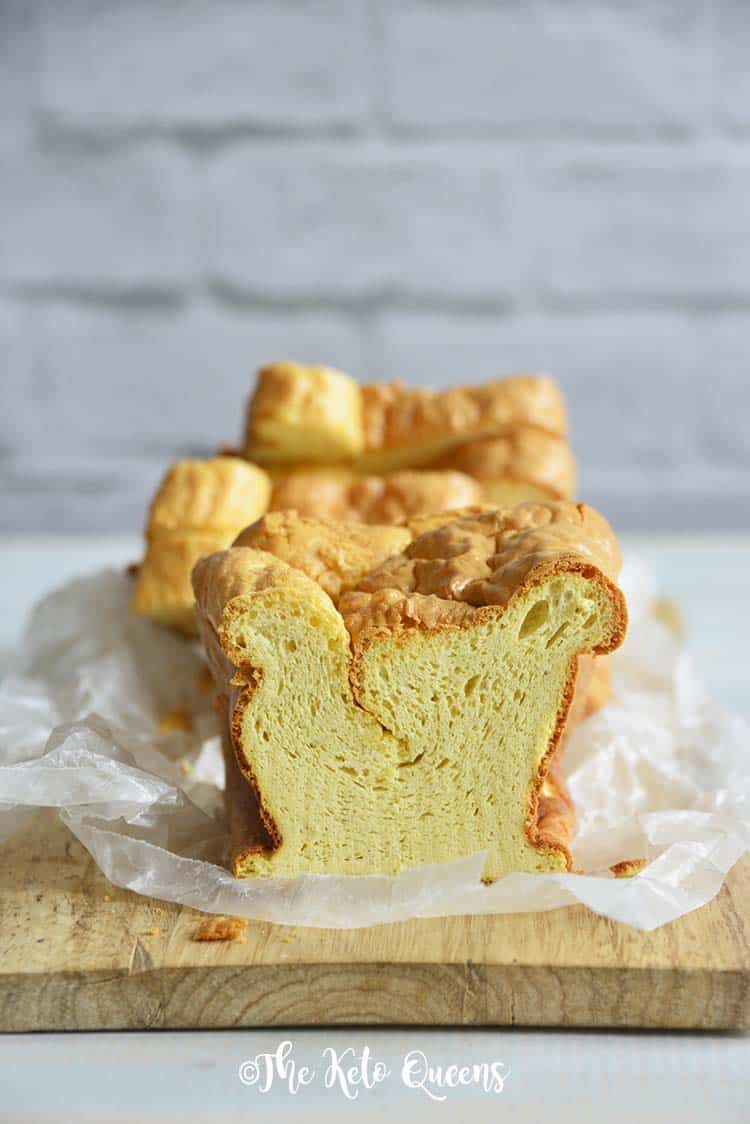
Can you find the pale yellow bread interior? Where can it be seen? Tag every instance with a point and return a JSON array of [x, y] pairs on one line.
[[199, 508], [413, 716]]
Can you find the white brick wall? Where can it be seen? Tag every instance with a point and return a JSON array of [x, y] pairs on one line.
[[182, 375], [733, 27], [104, 222], [434, 190], [546, 65], [667, 228], [335, 223], [193, 65]]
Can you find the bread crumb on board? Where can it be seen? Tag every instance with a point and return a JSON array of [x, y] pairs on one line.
[[220, 929], [628, 868], [173, 720]]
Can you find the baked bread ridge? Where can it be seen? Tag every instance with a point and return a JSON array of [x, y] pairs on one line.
[[412, 427], [335, 554], [198, 509], [301, 414], [479, 559], [217, 493], [343, 744], [532, 460], [338, 494]]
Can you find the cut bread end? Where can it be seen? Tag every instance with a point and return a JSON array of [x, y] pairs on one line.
[[402, 726]]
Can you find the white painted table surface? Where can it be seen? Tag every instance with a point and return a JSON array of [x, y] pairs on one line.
[[566, 1076]]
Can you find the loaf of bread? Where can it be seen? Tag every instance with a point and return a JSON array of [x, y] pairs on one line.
[[393, 709], [199, 508], [315, 415], [381, 453]]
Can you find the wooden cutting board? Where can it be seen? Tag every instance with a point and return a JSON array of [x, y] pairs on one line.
[[77, 953]]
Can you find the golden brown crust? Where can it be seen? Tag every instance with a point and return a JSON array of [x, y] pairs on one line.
[[396, 417], [335, 555], [345, 496], [300, 412], [221, 929], [525, 455], [556, 817], [217, 494], [628, 868], [248, 833], [421, 524], [478, 561]]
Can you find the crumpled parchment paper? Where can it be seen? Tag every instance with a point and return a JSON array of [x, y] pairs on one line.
[[660, 773]]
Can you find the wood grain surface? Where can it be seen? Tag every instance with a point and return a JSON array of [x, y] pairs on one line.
[[77, 953]]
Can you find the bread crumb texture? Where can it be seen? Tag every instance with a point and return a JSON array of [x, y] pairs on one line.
[[395, 707], [221, 929], [628, 868]]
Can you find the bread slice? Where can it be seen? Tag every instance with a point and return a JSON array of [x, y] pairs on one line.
[[301, 413], [198, 509], [329, 493], [412, 716]]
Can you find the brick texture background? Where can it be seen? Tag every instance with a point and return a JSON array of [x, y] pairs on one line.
[[433, 190]]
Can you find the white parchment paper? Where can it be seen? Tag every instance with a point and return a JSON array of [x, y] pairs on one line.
[[660, 773]]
